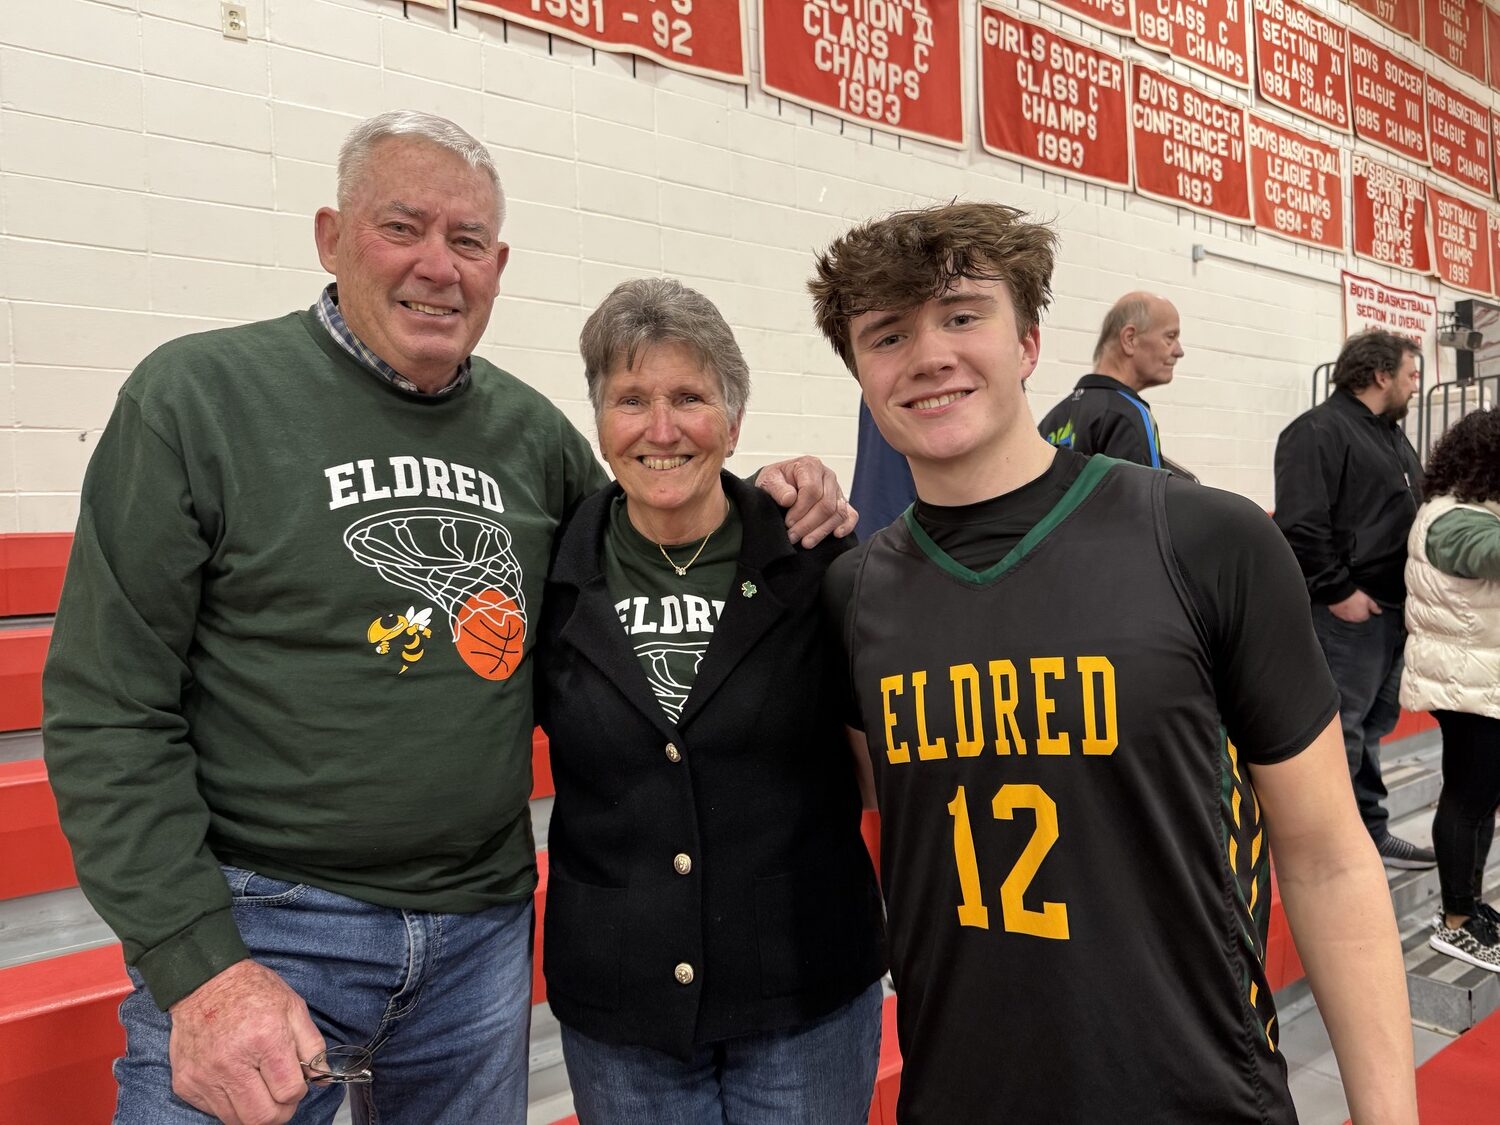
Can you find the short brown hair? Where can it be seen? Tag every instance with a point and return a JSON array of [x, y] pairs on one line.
[[1370, 353], [908, 258]]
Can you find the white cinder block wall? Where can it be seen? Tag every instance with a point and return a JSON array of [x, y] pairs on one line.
[[157, 178]]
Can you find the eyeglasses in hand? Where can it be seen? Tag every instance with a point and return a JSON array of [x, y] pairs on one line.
[[341, 1065]]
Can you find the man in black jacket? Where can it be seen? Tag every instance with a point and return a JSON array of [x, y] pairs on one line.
[[1139, 344], [1347, 488]]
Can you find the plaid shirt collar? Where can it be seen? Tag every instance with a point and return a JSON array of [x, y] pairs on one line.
[[327, 311]]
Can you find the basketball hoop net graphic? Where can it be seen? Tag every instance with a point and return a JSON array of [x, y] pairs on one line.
[[673, 666], [462, 562]]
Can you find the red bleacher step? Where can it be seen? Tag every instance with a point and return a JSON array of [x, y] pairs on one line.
[[1459, 1084], [34, 856], [22, 654], [1410, 723], [58, 1035], [541, 765], [31, 572], [539, 900]]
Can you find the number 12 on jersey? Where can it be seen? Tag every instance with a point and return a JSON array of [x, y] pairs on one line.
[[1051, 921]]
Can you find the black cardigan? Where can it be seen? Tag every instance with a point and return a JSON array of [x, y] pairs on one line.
[[779, 917]]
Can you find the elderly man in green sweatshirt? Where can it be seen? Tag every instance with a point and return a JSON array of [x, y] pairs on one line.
[[288, 702]]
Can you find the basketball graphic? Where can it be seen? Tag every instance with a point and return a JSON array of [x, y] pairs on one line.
[[465, 564], [491, 633]]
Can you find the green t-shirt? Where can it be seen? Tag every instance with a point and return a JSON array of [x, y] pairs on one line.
[[669, 618]]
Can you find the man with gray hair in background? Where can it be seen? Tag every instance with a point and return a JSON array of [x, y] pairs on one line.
[[288, 705], [1139, 344]]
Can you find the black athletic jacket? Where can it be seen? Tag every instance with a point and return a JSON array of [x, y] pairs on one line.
[[1347, 488], [1103, 415]]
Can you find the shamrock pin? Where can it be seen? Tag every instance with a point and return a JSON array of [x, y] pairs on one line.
[[748, 589]]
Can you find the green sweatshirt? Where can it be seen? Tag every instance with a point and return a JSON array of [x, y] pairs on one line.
[[1465, 543], [292, 639]]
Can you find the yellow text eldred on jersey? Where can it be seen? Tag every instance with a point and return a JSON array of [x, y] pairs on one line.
[[977, 726]]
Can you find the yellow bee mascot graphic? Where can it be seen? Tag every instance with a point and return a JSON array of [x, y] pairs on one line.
[[391, 627]]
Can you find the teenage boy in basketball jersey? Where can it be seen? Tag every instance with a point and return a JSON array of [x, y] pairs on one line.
[[1092, 696]]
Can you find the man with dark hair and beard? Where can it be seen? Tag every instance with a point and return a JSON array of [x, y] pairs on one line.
[[1347, 488]]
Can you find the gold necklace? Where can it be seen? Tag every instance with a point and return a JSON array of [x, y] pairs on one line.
[[683, 569]]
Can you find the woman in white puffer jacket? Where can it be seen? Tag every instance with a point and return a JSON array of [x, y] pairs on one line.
[[1453, 669]]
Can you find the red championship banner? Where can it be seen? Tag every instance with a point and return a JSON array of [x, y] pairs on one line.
[[1492, 42], [1390, 99], [1374, 304], [1297, 185], [1051, 101], [1494, 252], [894, 65], [1302, 62], [1460, 241], [1390, 216], [700, 36], [1453, 30], [1458, 137], [1213, 35], [1402, 16], [1112, 15], [1188, 147]]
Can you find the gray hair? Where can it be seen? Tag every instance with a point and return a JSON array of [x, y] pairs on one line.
[[1134, 311], [654, 310], [354, 153]]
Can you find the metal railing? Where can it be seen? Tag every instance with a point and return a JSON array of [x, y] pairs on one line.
[[1448, 402]]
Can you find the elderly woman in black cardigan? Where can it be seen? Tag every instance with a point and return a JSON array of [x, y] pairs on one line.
[[713, 939]]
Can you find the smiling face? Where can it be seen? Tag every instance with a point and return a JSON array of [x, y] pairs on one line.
[[417, 257], [664, 431], [944, 381]]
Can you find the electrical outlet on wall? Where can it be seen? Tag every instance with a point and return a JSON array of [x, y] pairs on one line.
[[235, 19]]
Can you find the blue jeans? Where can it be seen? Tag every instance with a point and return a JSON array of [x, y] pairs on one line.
[[444, 1000], [819, 1073], [1366, 661]]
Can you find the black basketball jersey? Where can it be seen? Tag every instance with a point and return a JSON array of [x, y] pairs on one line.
[[1073, 860]]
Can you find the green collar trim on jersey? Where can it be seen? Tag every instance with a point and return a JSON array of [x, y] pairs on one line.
[[1078, 491]]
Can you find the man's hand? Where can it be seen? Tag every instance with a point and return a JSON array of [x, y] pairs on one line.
[[1357, 607], [811, 493], [238, 1043]]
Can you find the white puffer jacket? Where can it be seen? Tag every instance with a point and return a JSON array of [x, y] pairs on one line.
[[1453, 641]]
